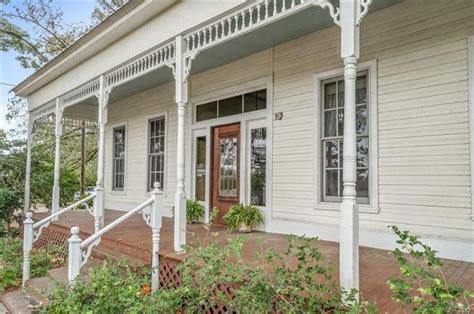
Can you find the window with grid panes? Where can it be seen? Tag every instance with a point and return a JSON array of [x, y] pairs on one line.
[[118, 179], [156, 152], [332, 138]]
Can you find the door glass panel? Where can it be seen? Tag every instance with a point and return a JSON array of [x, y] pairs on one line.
[[200, 189], [228, 167], [258, 160]]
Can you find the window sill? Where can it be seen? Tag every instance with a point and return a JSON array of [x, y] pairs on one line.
[[363, 208]]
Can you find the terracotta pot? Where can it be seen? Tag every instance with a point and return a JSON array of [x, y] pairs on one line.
[[245, 228]]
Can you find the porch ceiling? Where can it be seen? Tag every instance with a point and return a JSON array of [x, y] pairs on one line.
[[302, 23]]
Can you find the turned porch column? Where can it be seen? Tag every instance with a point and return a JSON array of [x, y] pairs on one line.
[[181, 86], [29, 139], [350, 19], [99, 201], [57, 157]]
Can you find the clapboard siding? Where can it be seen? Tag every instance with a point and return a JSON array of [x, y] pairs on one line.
[[423, 116], [423, 130]]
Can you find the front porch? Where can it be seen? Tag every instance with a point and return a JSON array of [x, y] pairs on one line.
[[133, 240]]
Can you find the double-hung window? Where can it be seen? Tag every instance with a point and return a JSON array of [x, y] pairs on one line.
[[118, 179], [156, 152], [332, 115]]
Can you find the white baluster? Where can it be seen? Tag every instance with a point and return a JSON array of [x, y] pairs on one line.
[[267, 3], [274, 7], [27, 246], [222, 29], [74, 256], [259, 8], [293, 3], [243, 19], [283, 5], [229, 29], [156, 209], [236, 20]]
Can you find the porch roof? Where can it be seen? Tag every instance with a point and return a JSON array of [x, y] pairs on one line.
[[133, 239], [303, 20]]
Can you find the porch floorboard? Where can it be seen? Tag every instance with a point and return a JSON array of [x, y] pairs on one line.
[[133, 237]]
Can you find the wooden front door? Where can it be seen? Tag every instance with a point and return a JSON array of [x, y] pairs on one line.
[[225, 168]]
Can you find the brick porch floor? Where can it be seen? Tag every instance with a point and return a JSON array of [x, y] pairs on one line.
[[133, 239]]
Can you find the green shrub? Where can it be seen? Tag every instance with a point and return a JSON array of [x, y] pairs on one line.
[[243, 216], [297, 281], [194, 210], [424, 286], [111, 288], [9, 202], [11, 262]]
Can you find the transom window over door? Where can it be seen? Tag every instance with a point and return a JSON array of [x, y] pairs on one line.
[[118, 176], [156, 152], [332, 138]]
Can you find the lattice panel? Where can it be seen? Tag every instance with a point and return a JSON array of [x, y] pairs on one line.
[[169, 276], [50, 235]]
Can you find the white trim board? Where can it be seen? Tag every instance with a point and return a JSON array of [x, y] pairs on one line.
[[470, 53], [462, 250], [373, 207]]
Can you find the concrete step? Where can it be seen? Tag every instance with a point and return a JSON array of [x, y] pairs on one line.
[[17, 302], [40, 289], [3, 309]]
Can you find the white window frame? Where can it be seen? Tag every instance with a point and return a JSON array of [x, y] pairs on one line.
[[371, 68], [112, 190], [255, 124], [470, 52], [163, 115], [195, 134]]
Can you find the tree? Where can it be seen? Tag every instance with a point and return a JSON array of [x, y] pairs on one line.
[[36, 31]]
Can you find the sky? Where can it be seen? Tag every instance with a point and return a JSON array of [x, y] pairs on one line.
[[11, 71]]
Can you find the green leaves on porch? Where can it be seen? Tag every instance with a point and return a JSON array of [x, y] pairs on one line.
[[423, 285]]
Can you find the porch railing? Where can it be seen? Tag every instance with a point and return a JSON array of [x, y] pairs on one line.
[[79, 251], [32, 231]]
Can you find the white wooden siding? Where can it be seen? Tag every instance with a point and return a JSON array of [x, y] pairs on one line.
[[424, 171]]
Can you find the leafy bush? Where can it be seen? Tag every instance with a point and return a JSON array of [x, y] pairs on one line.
[[11, 262], [111, 288], [296, 281], [9, 203], [424, 285], [243, 216], [194, 210]]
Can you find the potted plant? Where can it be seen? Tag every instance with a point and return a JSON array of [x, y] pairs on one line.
[[245, 217], [194, 211]]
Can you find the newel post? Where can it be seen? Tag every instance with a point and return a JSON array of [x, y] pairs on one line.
[[74, 255], [156, 209], [27, 246]]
